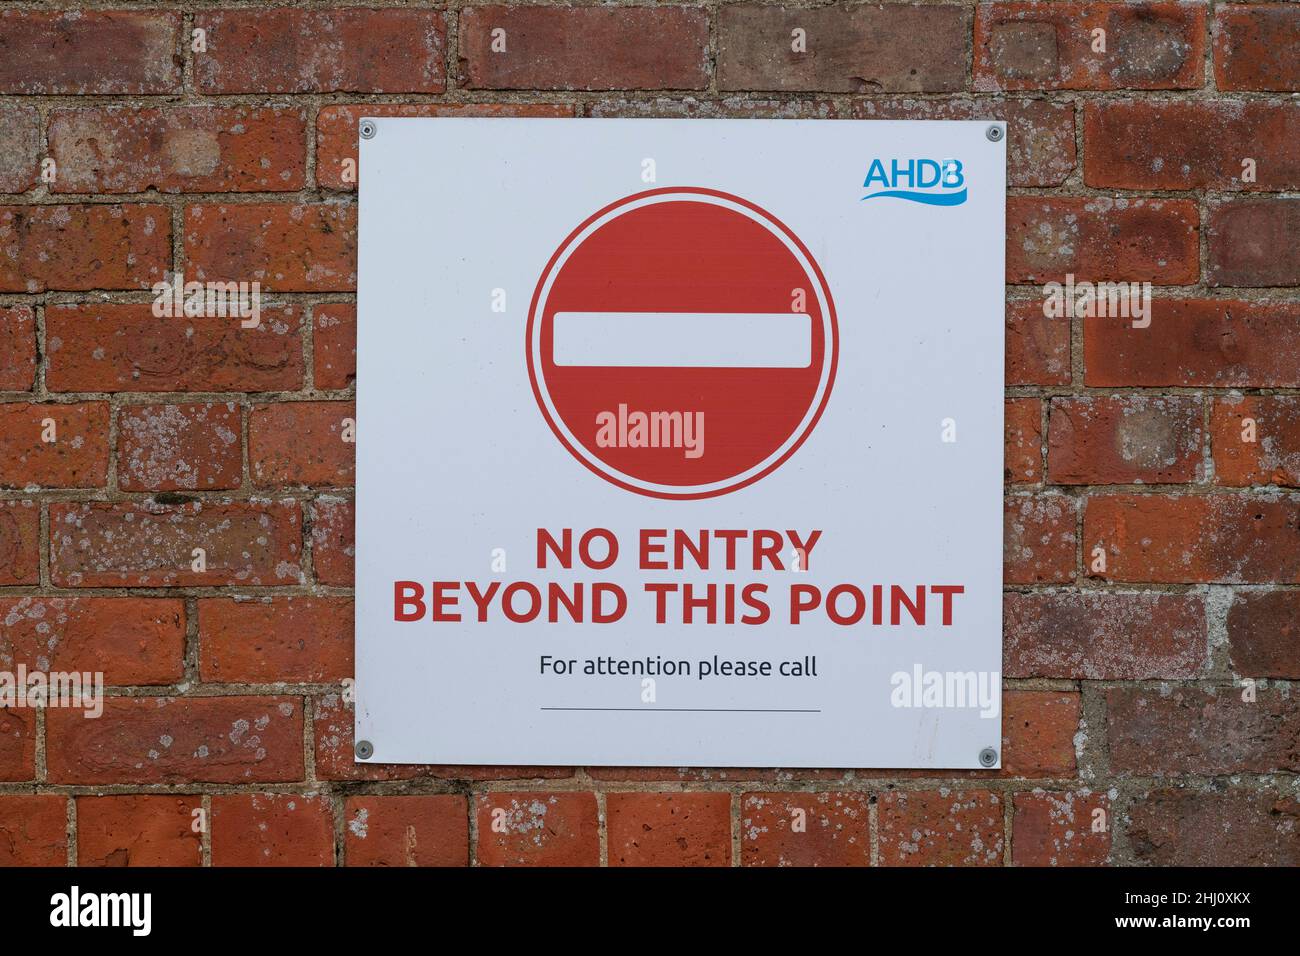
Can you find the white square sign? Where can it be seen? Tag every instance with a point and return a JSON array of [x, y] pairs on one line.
[[680, 442]]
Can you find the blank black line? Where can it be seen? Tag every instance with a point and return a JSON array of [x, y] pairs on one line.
[[699, 710]]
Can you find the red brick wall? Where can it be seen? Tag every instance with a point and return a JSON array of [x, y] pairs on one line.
[[1124, 686]]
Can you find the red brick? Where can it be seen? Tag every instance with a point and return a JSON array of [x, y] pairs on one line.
[[1254, 242], [131, 640], [308, 247], [1024, 439], [89, 51], [1206, 731], [585, 48], [334, 345], [694, 774], [336, 129], [537, 829], [1264, 634], [1056, 829], [290, 639], [20, 132], [83, 247], [77, 458], [1230, 539], [102, 544], [1104, 635], [178, 149], [321, 51], [1096, 239], [1048, 46], [1170, 827], [1257, 46], [20, 537], [1038, 347], [669, 829], [1038, 731], [1143, 145], [33, 830], [333, 540], [941, 828], [1122, 439], [301, 443], [123, 348], [1221, 343], [1039, 539], [805, 829], [898, 48], [142, 740], [1272, 457], [17, 349], [407, 831], [272, 829], [139, 830], [179, 447], [17, 743]]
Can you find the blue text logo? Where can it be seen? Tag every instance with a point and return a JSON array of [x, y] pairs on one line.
[[935, 182]]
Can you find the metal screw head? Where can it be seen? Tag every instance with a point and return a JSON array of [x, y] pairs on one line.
[[367, 129], [994, 133], [365, 750], [988, 757]]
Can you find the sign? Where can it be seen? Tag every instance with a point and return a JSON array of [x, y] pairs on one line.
[[680, 443]]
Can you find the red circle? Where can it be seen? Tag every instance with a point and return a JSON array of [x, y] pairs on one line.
[[687, 254]]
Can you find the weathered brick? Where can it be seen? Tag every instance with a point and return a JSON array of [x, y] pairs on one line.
[[1048, 46], [17, 349], [290, 639], [1056, 829], [1170, 827], [1254, 242], [141, 740], [1257, 46], [333, 540], [584, 48], [1103, 635], [1039, 539], [102, 544], [279, 50], [1271, 456], [178, 149], [1038, 730], [20, 143], [83, 247], [1023, 438], [1227, 538], [139, 830], [334, 345], [1096, 239], [286, 248], [1122, 439], [302, 443], [407, 831], [1264, 634], [20, 542], [1220, 343], [124, 348], [1037, 347], [76, 456], [669, 829], [272, 829], [336, 130], [805, 829], [131, 640], [1202, 730], [89, 51], [1135, 144], [941, 828], [895, 48], [17, 743], [537, 829], [179, 447], [33, 829]]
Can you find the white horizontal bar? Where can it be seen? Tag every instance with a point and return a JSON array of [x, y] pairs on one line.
[[683, 339]]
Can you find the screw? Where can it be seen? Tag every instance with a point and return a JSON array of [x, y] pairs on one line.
[[994, 133], [988, 757], [367, 129], [365, 750]]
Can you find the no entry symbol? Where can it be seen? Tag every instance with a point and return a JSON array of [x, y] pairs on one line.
[[682, 343]]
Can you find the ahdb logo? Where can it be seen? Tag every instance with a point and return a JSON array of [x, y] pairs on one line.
[[935, 182]]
